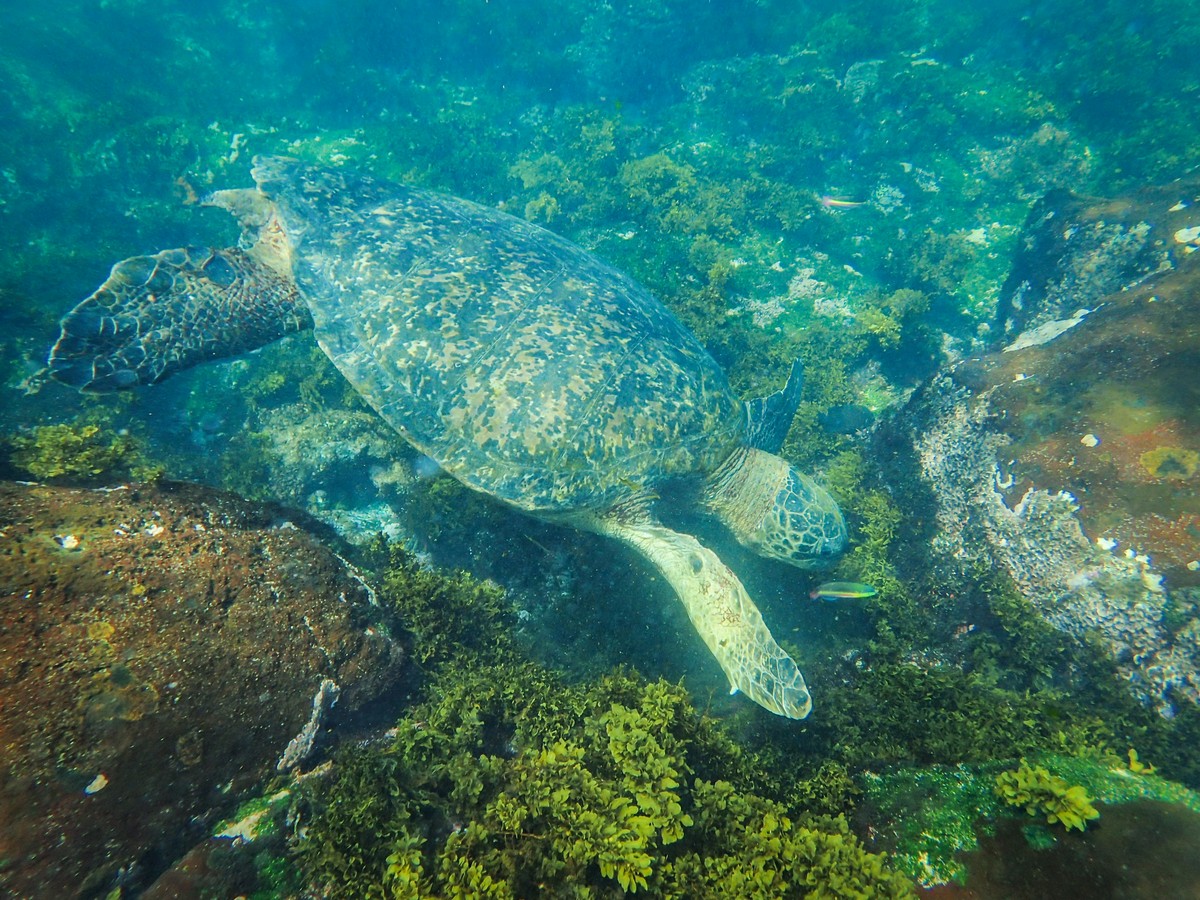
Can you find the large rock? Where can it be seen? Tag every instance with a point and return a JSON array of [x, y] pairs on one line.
[[1076, 251], [1070, 456], [163, 648]]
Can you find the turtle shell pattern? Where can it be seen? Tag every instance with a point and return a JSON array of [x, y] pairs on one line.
[[525, 366]]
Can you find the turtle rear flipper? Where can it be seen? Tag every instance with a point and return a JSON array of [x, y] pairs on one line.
[[156, 315], [721, 611]]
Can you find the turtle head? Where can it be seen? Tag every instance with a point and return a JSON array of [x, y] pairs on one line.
[[774, 510]]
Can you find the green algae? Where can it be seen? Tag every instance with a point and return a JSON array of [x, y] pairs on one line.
[[1040, 793], [504, 779], [603, 807], [55, 451], [936, 816]]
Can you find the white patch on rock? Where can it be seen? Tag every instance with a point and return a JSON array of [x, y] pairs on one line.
[[1045, 332], [1076, 583], [301, 745]]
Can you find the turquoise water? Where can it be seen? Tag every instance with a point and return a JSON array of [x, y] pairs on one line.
[[844, 183]]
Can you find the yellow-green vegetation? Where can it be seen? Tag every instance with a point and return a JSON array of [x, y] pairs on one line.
[[77, 451], [1170, 462], [609, 798], [886, 317], [506, 782], [266, 384], [878, 522], [246, 465], [556, 791], [294, 371], [440, 507], [769, 854], [571, 184], [1136, 766], [894, 709], [875, 522], [451, 615], [938, 813], [1040, 793]]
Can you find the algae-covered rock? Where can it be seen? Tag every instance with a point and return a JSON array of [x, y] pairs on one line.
[[1064, 457], [968, 825], [163, 648]]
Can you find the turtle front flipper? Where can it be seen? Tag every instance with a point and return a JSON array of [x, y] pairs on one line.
[[723, 613], [156, 315]]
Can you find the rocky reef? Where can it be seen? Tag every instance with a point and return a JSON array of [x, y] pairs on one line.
[[1067, 457], [163, 648]]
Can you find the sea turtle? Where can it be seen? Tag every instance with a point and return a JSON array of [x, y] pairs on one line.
[[527, 368]]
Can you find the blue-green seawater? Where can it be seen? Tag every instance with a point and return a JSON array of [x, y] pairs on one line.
[[766, 167]]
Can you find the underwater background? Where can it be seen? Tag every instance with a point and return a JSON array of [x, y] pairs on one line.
[[975, 227]]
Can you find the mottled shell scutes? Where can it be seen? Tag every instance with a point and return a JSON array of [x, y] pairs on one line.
[[525, 366]]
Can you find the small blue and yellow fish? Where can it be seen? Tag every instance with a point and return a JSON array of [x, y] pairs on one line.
[[842, 590], [839, 202]]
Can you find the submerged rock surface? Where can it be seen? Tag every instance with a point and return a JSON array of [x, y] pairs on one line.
[[1070, 456], [160, 652]]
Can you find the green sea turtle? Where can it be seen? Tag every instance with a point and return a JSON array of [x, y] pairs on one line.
[[522, 364]]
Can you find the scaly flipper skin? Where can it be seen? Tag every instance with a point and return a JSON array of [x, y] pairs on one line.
[[721, 611], [156, 315], [774, 510]]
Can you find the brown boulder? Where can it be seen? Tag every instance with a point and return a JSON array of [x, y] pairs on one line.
[[1109, 409], [161, 649]]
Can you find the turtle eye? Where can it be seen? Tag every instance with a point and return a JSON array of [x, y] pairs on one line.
[[697, 563]]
